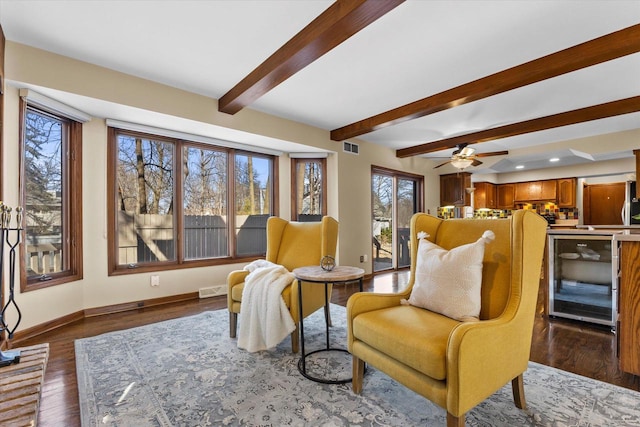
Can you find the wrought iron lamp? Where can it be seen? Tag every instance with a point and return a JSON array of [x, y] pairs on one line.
[[10, 356]]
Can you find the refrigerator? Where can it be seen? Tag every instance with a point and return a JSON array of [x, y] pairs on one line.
[[583, 279], [631, 207]]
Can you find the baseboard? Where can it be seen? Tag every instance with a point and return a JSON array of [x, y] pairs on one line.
[[42, 328], [45, 327], [135, 305]]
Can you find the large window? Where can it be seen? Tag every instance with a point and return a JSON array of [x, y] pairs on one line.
[[173, 199], [308, 189], [51, 183]]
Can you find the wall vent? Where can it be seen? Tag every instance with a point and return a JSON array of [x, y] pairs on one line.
[[350, 147], [212, 291]]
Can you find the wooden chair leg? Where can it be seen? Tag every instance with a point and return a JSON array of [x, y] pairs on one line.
[[295, 340], [517, 386], [357, 375], [455, 421], [233, 324]]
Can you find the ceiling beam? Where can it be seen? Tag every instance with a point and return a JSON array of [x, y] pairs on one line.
[[600, 111], [340, 21], [611, 46]]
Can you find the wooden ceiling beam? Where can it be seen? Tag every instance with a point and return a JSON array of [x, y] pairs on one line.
[[600, 111], [611, 46], [340, 21]]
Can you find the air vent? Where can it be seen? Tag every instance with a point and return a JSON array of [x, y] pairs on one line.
[[212, 291], [350, 147]]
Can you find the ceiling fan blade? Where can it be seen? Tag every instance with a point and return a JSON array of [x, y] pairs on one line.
[[493, 153], [442, 164], [476, 162]]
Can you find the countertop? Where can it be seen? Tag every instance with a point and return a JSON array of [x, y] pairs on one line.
[[583, 231], [618, 235], [610, 227]]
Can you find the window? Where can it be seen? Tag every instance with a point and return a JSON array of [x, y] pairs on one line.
[[172, 201], [253, 193], [308, 189], [205, 193], [395, 196], [51, 191]]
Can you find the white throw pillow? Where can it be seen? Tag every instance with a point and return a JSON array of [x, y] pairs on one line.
[[449, 282]]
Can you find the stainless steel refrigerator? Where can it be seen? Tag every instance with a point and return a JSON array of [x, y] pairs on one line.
[[631, 207]]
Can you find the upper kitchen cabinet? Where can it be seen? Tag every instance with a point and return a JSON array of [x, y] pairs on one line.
[[506, 194], [567, 192], [536, 190], [453, 189], [484, 195]]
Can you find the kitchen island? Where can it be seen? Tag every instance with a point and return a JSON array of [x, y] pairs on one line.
[[629, 301]]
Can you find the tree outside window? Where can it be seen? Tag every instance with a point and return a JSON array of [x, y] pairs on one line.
[[308, 189]]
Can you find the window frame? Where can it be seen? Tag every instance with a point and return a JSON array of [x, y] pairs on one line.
[[180, 262], [71, 202], [295, 215]]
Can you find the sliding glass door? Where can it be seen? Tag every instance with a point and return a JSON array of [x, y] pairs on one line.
[[395, 196]]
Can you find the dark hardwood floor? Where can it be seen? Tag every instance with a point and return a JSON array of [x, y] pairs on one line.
[[576, 347]]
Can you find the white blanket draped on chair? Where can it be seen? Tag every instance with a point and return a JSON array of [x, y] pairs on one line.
[[264, 318]]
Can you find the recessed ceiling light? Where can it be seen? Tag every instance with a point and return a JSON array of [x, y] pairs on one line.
[[554, 159], [520, 167]]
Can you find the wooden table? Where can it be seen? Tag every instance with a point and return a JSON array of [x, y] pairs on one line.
[[315, 274], [21, 387]]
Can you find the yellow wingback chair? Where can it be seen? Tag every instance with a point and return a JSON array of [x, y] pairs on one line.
[[457, 364], [292, 245]]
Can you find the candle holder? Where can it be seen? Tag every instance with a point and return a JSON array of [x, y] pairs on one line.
[[11, 237]]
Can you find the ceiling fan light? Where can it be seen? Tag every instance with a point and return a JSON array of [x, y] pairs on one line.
[[461, 163]]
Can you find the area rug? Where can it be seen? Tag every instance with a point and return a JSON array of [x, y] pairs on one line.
[[188, 372]]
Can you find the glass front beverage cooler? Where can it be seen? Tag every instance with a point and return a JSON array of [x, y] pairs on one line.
[[583, 278]]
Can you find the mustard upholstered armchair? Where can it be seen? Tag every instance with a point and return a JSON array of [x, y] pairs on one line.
[[292, 245], [457, 364]]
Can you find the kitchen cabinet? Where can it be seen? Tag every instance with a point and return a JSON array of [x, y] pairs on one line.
[[485, 195], [629, 308], [567, 192], [522, 191], [536, 190], [505, 196], [453, 189]]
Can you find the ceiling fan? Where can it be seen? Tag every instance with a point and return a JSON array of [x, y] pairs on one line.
[[464, 157]]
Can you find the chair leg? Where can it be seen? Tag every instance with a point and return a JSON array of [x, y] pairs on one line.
[[455, 421], [233, 324], [517, 386], [357, 375], [295, 340]]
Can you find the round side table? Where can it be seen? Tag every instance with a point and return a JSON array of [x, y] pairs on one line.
[[315, 274]]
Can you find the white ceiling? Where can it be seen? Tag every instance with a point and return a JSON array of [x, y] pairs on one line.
[[418, 49]]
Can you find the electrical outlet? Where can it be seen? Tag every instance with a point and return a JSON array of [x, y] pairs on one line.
[[363, 258], [155, 280]]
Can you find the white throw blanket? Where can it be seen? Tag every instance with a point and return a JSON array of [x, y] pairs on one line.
[[264, 318]]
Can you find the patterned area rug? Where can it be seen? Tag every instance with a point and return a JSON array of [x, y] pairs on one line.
[[188, 372]]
